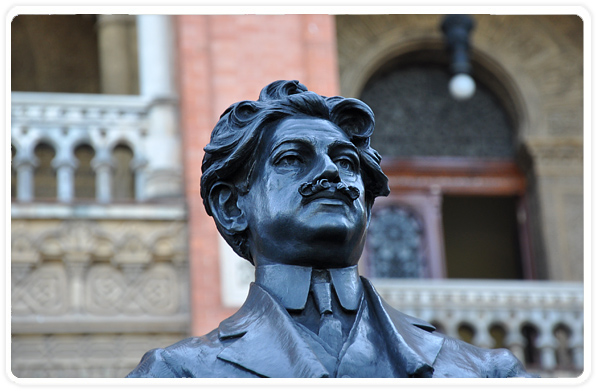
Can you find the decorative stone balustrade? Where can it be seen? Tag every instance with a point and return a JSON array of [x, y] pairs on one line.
[[541, 322], [66, 121]]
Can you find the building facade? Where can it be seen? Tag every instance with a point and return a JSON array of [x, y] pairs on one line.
[[112, 253]]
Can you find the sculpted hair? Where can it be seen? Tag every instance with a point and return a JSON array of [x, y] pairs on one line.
[[231, 153]]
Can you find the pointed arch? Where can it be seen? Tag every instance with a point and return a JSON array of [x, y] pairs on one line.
[[44, 175], [123, 186]]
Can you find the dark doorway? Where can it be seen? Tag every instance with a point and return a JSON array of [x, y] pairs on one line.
[[481, 237]]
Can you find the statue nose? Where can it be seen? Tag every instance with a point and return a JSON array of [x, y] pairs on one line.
[[327, 169]]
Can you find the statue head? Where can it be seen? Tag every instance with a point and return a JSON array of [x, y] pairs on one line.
[[291, 177]]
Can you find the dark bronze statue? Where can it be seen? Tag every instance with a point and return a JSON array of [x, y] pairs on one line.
[[290, 180]]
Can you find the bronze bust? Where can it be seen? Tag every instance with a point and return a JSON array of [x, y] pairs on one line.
[[290, 180]]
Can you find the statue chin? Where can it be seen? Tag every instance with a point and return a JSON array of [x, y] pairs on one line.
[[329, 247], [326, 253], [330, 241], [316, 250]]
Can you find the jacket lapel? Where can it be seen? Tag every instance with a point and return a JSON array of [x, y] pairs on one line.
[[410, 341], [268, 342]]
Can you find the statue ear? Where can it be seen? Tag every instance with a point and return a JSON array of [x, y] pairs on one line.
[[223, 204]]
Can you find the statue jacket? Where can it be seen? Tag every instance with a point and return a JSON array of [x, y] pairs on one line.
[[262, 340]]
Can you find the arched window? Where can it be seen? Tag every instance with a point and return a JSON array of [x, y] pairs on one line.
[[85, 178], [498, 333], [123, 179], [532, 353], [454, 163], [416, 116], [396, 241], [44, 176], [466, 332]]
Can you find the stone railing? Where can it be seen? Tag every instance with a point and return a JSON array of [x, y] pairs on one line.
[[65, 121], [541, 322]]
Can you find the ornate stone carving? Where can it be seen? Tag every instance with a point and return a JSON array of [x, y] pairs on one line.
[[22, 249], [105, 288], [43, 291], [395, 243], [156, 294], [110, 292], [132, 250], [78, 275], [82, 355], [75, 241], [116, 268]]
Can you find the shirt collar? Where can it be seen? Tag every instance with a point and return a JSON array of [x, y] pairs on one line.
[[290, 284]]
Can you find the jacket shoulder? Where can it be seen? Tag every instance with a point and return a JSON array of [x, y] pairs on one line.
[[153, 364], [502, 363], [473, 361], [191, 357]]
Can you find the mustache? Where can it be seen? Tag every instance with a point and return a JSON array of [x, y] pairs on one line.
[[309, 189]]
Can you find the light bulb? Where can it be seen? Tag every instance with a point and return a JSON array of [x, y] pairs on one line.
[[461, 86]]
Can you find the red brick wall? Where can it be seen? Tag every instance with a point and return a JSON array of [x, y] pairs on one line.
[[223, 59]]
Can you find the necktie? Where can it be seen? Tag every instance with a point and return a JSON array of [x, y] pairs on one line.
[[330, 328]]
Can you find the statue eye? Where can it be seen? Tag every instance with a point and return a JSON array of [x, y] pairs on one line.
[[289, 160], [346, 164]]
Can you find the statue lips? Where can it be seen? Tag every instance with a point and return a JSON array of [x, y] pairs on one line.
[[329, 194]]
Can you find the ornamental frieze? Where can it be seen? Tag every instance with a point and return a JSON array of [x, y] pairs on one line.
[[102, 268]]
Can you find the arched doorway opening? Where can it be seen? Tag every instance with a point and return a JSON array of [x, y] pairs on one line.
[[454, 166]]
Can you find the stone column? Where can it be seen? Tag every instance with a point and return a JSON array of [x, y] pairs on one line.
[[25, 168], [546, 343], [156, 69], [65, 179], [103, 166], [515, 340], [576, 343], [156, 56], [482, 334], [117, 54], [138, 166]]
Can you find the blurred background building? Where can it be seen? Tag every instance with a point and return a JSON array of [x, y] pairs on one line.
[[113, 254]]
